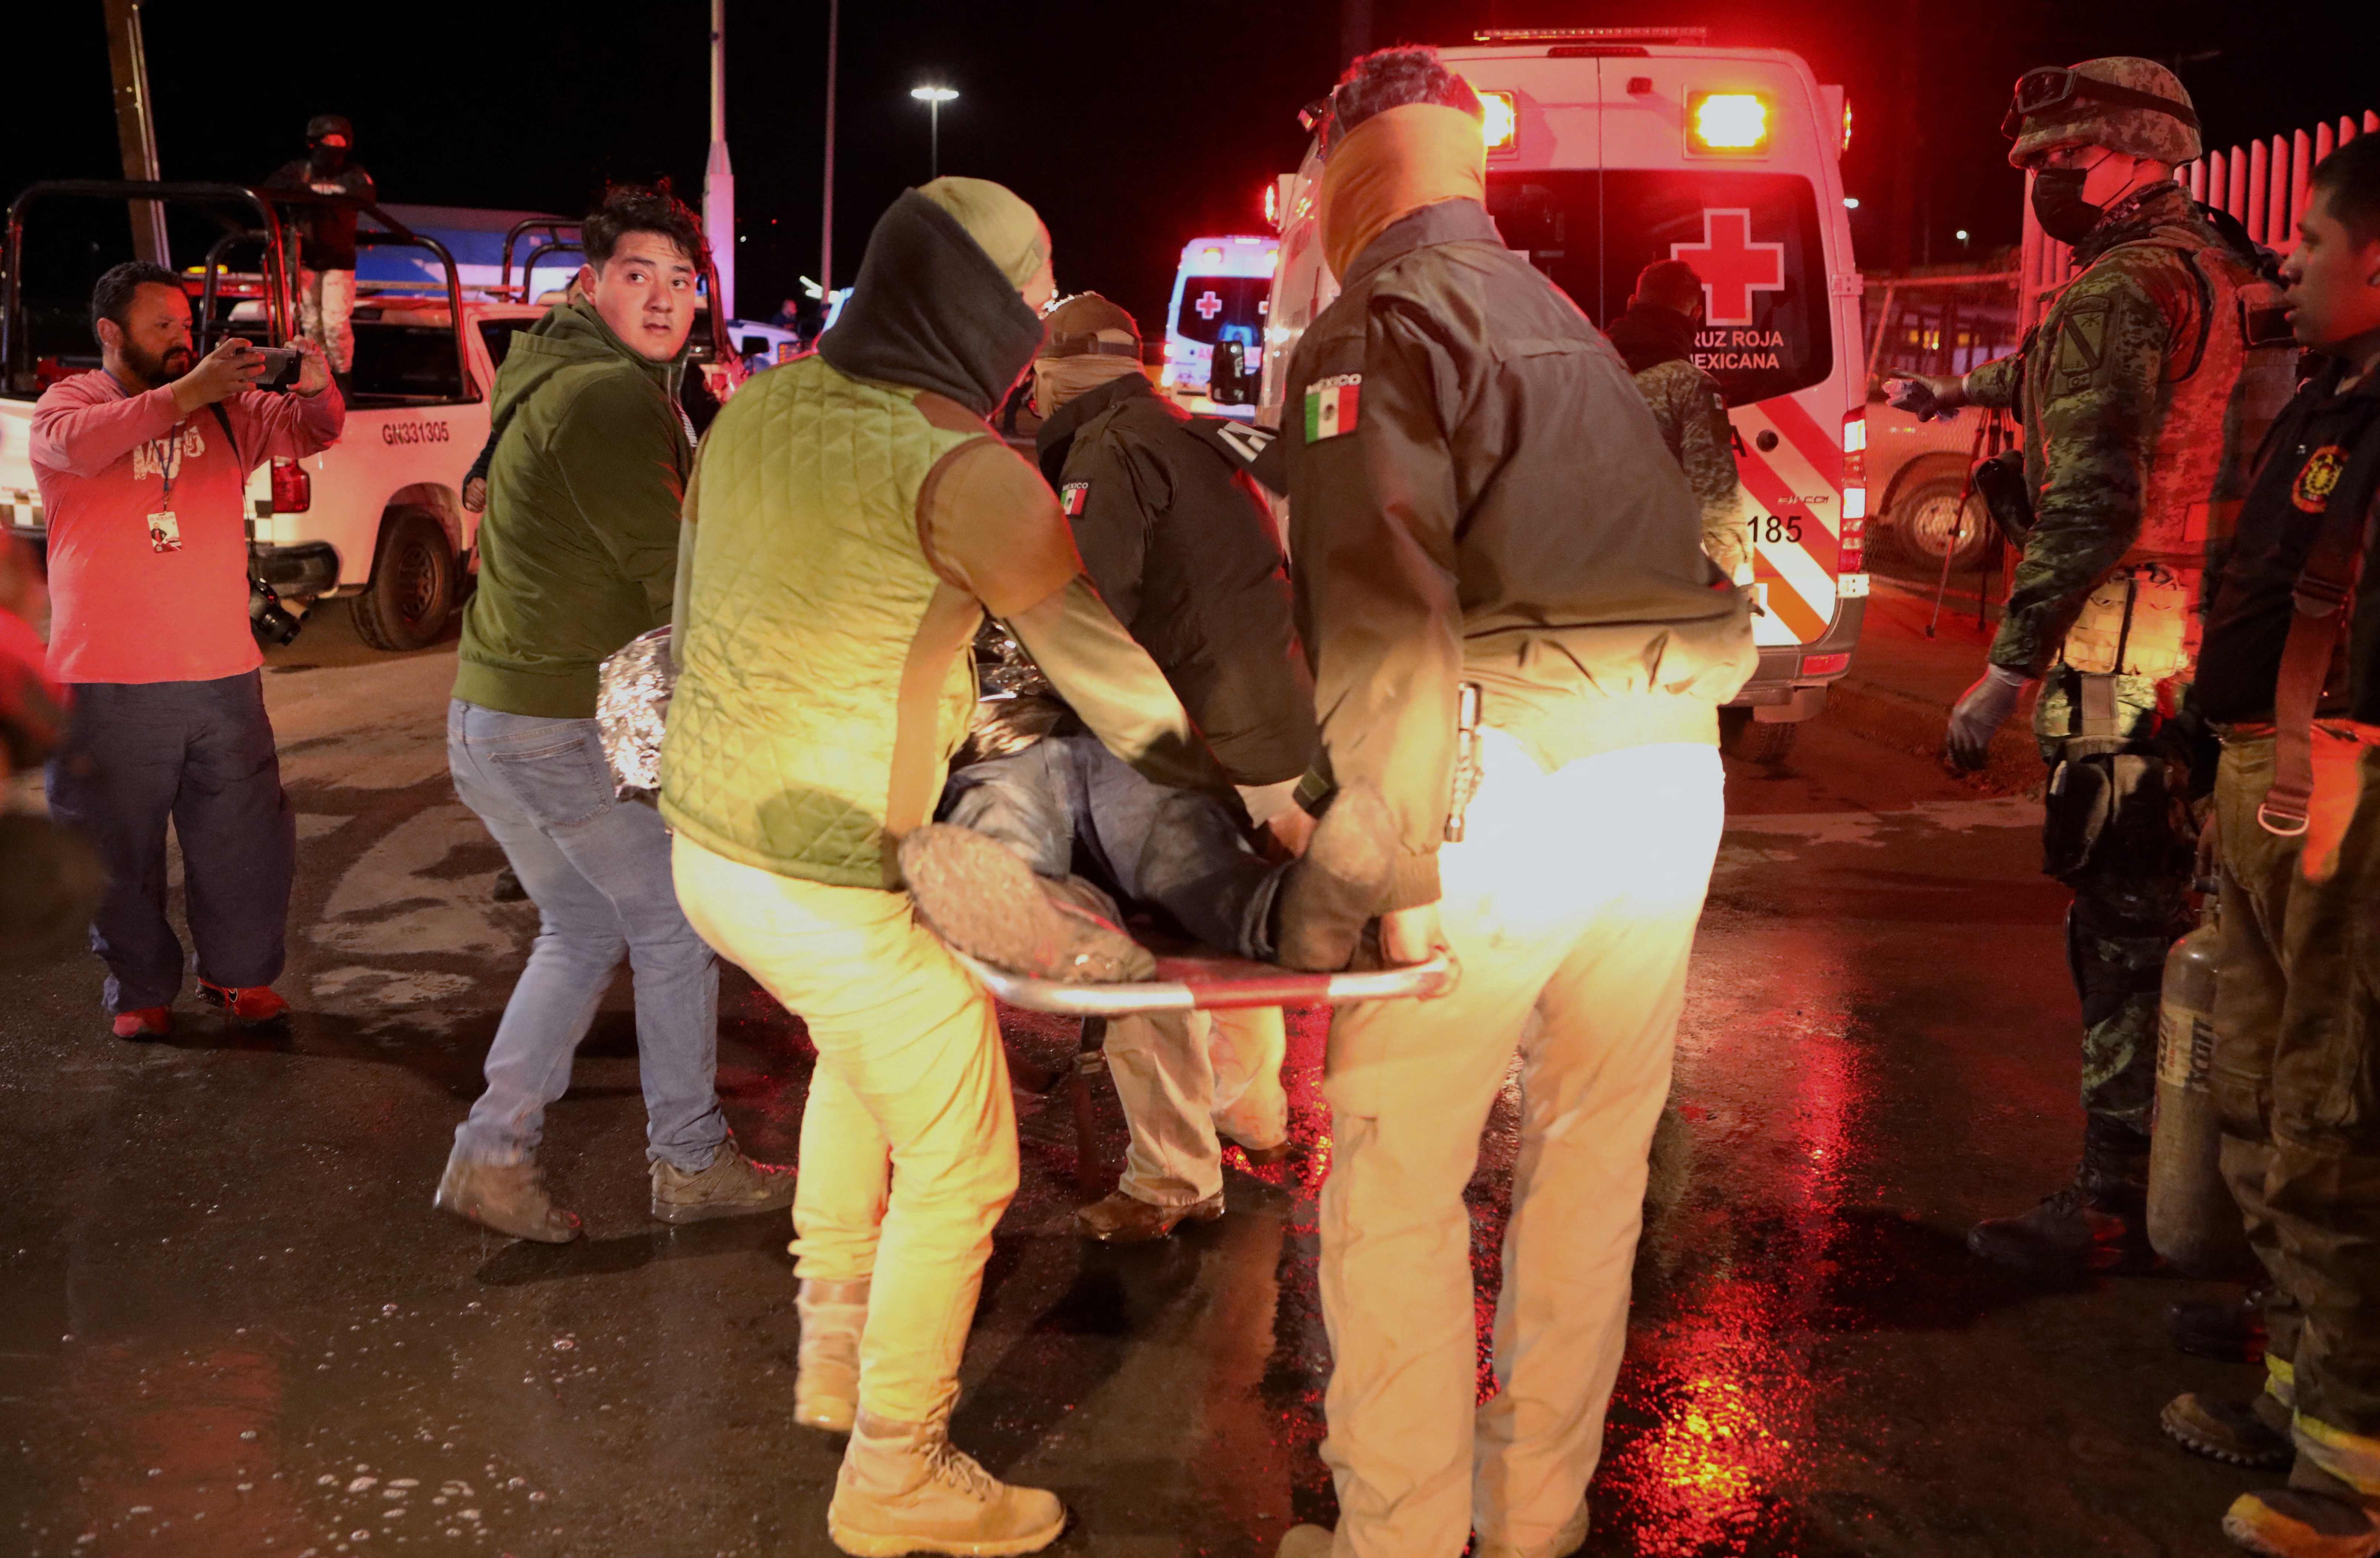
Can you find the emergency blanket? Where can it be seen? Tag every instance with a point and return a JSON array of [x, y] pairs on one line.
[[632, 699]]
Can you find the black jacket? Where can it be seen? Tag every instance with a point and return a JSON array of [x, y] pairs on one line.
[[1182, 550], [1477, 493]]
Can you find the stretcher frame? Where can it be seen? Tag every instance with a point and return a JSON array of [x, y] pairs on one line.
[[1213, 983]]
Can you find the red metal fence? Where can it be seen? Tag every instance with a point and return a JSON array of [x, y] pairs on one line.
[[2263, 184]]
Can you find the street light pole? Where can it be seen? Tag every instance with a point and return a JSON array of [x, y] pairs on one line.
[[718, 176], [826, 216], [933, 98]]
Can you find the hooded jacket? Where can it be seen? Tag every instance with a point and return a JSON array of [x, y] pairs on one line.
[[1657, 345], [850, 520], [1183, 552], [578, 546]]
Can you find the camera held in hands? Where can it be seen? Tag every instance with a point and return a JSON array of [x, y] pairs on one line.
[[282, 366]]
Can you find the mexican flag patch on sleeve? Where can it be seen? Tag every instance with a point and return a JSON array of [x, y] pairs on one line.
[[1333, 405], [1072, 496]]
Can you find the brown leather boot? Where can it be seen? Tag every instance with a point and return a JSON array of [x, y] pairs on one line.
[[904, 1487], [509, 1198], [979, 896], [1122, 1219], [826, 1367], [732, 1186]]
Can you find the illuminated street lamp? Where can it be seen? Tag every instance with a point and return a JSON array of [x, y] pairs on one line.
[[933, 98]]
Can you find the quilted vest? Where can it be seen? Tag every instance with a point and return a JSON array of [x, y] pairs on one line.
[[2219, 397], [807, 615]]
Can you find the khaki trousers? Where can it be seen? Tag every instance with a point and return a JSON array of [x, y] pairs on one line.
[[1575, 896], [909, 1153], [1181, 1076]]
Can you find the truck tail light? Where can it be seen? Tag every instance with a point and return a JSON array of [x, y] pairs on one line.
[[1503, 124], [293, 490], [1850, 547], [1826, 665]]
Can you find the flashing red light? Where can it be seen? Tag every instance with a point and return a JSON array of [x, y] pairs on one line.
[[293, 490], [1272, 203], [1847, 124], [1826, 665], [1502, 123], [1727, 123]]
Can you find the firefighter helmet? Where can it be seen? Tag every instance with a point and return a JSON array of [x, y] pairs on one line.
[[2121, 102]]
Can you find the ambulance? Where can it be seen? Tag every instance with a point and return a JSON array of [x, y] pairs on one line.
[[1611, 148], [1221, 292]]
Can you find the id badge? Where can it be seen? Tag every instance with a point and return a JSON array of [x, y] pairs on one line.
[[165, 531]]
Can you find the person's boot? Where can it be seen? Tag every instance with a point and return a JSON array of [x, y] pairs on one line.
[[1340, 883], [904, 1487], [2249, 1433], [1306, 1541], [509, 1198], [2231, 1330], [1261, 1157], [143, 1024], [732, 1186], [979, 896], [2315, 1516], [1569, 1540], [826, 1366], [1122, 1219], [2097, 1223], [246, 1005]]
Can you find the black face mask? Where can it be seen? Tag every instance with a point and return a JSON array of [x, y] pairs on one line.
[[2058, 204]]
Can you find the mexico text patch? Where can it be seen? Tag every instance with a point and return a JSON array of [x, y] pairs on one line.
[[1072, 496], [1333, 405]]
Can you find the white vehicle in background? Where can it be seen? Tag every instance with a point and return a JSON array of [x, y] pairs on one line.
[[1215, 323], [1611, 148], [377, 518]]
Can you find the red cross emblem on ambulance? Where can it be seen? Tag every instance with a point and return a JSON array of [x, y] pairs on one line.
[[1208, 306], [1731, 265]]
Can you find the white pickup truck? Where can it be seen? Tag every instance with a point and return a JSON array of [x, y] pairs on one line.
[[379, 515]]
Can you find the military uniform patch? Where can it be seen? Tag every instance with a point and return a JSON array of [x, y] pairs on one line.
[[1332, 405], [2318, 477], [1072, 496]]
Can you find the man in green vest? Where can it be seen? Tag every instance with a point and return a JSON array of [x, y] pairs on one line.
[[850, 521]]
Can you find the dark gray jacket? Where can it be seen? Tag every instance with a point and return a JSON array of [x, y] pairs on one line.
[[1182, 550]]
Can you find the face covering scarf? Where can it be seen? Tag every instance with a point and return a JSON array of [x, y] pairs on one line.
[[1057, 379], [1391, 165], [2059, 205]]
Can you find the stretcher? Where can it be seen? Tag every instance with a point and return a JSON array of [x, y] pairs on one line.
[[1205, 982]]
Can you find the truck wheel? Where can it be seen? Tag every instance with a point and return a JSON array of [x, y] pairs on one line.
[[412, 589], [1928, 523], [1750, 740]]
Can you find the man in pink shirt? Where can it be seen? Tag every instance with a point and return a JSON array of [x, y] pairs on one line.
[[142, 467]]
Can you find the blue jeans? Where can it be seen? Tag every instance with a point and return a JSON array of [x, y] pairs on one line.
[[598, 869], [1069, 791], [201, 755]]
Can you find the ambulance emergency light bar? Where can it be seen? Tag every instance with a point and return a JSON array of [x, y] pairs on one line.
[[1686, 35], [1727, 123]]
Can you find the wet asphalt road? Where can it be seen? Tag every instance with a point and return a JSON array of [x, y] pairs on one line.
[[231, 1324]]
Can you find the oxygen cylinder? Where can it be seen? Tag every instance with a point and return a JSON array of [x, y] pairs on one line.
[[2193, 1221]]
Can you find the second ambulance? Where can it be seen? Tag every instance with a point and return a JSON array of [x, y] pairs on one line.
[[1611, 148]]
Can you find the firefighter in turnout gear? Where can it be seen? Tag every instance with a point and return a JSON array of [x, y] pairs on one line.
[[2143, 394]]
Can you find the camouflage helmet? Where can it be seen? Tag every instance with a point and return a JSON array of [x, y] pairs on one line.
[[2121, 102]]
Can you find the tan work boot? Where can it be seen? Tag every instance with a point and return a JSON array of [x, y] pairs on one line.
[[826, 1367], [731, 1186], [979, 896], [509, 1198], [904, 1487], [2317, 1516], [1569, 1540], [1122, 1219]]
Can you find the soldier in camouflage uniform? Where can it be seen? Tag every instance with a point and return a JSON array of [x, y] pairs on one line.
[[1656, 337], [2136, 393]]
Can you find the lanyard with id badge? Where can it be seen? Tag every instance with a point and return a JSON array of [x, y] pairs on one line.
[[165, 529]]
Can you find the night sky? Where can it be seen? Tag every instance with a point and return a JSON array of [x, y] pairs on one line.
[[1132, 126]]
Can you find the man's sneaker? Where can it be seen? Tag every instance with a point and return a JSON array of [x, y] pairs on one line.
[[826, 1366], [1122, 1219], [733, 1185], [509, 1198], [1569, 1540], [983, 900], [2249, 1433], [1306, 1541], [2230, 1329], [143, 1023], [246, 1006], [1340, 883], [2302, 1523], [904, 1487]]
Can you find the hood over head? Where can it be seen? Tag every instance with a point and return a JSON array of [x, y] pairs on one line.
[[933, 309], [1649, 335]]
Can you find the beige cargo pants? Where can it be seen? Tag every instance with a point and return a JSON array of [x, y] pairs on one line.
[[909, 1153], [1575, 896], [1184, 1076], [326, 306]]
